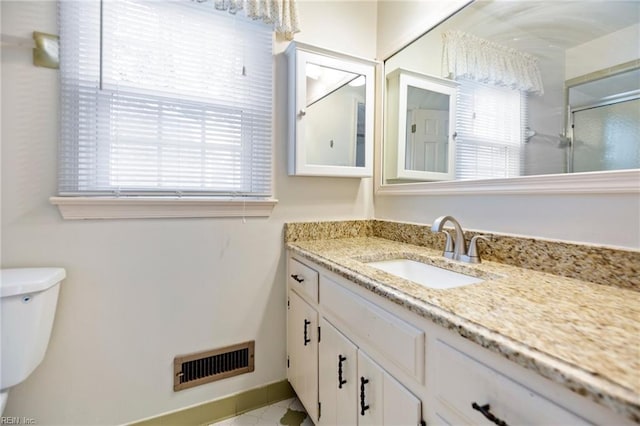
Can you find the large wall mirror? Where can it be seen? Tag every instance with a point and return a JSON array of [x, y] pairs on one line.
[[543, 88]]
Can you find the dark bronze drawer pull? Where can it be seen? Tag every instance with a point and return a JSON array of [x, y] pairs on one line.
[[341, 381], [306, 336], [485, 410], [363, 407]]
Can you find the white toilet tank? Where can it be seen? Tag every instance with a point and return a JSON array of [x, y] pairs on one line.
[[28, 298]]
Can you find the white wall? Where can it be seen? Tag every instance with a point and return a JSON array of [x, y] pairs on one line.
[[607, 51], [610, 219], [402, 21], [140, 292], [603, 220]]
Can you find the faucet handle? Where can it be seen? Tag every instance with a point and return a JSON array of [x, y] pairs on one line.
[[448, 245], [473, 255]]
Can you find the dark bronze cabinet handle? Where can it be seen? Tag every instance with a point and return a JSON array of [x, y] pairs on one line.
[[297, 278], [341, 382], [306, 336], [363, 407], [486, 411]]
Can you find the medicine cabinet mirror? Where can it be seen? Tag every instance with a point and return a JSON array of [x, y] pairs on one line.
[[545, 90], [330, 113]]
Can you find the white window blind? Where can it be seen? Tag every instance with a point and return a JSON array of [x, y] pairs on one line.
[[164, 98], [490, 131]]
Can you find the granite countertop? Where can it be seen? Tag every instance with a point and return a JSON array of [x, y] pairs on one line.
[[581, 335]]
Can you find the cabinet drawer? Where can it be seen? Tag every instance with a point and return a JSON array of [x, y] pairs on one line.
[[398, 341], [303, 279], [462, 381]]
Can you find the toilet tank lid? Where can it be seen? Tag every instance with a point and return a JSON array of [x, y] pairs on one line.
[[17, 281]]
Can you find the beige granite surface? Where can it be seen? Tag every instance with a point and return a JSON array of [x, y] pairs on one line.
[[579, 334], [597, 264]]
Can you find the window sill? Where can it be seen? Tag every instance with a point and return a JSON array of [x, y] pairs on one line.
[[159, 207]]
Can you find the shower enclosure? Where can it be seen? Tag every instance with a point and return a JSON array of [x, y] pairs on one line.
[[607, 137], [604, 119]]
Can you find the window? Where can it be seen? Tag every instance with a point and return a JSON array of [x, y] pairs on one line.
[[490, 126], [164, 99]]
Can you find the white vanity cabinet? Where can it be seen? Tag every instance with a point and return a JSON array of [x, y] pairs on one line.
[[370, 361], [302, 348], [336, 380], [354, 389], [331, 110], [302, 334]]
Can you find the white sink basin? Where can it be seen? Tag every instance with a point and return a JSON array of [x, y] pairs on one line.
[[426, 275]]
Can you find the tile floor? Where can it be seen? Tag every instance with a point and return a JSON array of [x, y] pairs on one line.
[[288, 412]]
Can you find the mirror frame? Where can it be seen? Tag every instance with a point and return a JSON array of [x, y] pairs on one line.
[[602, 182]]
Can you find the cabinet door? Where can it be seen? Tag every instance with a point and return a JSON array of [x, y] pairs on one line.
[[338, 378], [382, 400], [401, 407], [370, 391], [302, 348]]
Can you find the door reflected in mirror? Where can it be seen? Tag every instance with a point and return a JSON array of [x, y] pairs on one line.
[[427, 130], [539, 91]]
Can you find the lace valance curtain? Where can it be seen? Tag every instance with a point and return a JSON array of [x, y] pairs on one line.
[[467, 56], [283, 14]]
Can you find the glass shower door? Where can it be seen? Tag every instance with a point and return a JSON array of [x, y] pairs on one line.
[[607, 137]]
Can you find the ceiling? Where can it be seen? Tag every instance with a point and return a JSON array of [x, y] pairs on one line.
[[535, 25]]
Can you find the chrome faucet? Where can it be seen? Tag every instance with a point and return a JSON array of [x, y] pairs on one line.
[[459, 245], [457, 250]]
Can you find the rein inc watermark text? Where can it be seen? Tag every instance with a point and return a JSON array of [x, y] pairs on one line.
[[15, 420]]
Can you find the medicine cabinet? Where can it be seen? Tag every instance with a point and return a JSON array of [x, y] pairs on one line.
[[331, 107], [420, 133]]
